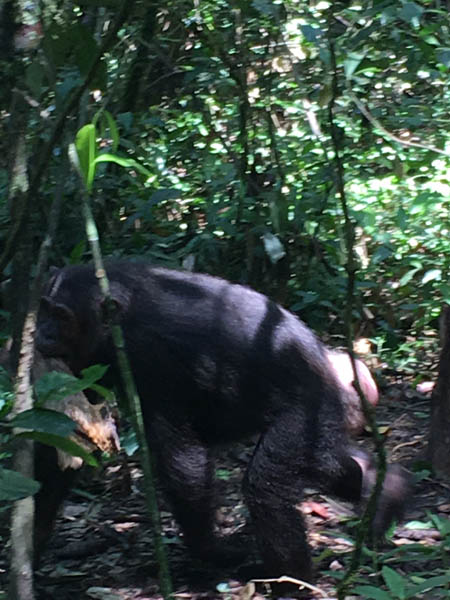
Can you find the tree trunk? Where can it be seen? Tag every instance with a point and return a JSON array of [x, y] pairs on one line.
[[439, 440]]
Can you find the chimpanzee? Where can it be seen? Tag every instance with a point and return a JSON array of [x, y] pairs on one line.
[[216, 362]]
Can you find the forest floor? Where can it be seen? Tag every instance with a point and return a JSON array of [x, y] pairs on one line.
[[102, 545]]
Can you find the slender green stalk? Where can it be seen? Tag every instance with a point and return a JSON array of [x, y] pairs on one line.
[[370, 509], [132, 396]]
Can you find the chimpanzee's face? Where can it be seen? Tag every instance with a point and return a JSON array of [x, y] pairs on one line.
[[57, 330]]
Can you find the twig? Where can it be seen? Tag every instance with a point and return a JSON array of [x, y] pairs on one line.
[[404, 444], [376, 123], [285, 579]]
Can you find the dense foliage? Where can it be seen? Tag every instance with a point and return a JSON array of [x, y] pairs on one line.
[[227, 107]]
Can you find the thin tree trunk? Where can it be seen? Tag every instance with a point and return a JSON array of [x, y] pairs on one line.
[[22, 517], [439, 440]]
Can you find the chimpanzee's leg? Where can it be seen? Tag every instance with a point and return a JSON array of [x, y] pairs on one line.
[[186, 472], [295, 451], [55, 485], [304, 447]]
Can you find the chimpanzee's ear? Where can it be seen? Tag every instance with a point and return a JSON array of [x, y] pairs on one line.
[[62, 312], [120, 298]]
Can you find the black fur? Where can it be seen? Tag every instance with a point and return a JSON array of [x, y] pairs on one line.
[[55, 485], [215, 362]]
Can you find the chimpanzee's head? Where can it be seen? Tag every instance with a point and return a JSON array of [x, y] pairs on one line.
[[71, 321]]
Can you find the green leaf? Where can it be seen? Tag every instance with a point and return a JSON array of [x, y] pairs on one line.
[[371, 592], [6, 392], [444, 289], [352, 63], [77, 252], [395, 582], [311, 34], [85, 145], [125, 120], [14, 486], [162, 195], [129, 442], [407, 277], [380, 254], [325, 95], [56, 44], [64, 86], [83, 51], [62, 443], [442, 524], [422, 525], [110, 123], [443, 56], [55, 386], [223, 474], [6, 405], [45, 420], [129, 163], [307, 299], [92, 374], [411, 13], [428, 584], [266, 7]]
